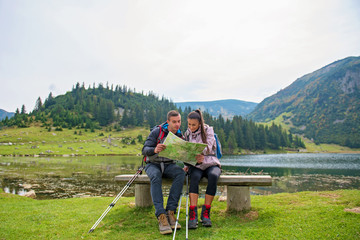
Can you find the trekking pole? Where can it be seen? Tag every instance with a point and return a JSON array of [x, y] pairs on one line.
[[139, 171], [177, 218], [187, 205]]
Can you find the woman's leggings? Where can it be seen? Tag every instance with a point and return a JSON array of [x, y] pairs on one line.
[[211, 173]]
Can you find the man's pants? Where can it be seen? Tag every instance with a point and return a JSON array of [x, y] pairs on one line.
[[172, 171]]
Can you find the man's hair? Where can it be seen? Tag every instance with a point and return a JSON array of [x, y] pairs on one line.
[[172, 113]]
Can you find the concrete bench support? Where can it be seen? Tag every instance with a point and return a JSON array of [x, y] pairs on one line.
[[238, 188], [142, 195], [238, 198]]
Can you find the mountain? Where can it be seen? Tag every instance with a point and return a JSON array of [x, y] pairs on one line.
[[323, 105], [227, 108], [114, 109], [4, 114]]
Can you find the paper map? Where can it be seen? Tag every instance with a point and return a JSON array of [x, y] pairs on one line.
[[178, 149]]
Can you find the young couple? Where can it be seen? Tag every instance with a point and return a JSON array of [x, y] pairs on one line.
[[158, 167]]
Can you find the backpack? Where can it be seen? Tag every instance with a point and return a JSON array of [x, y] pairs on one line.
[[159, 139], [161, 135], [218, 147]]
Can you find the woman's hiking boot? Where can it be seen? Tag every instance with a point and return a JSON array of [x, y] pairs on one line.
[[193, 220], [205, 215], [172, 220], [164, 225]]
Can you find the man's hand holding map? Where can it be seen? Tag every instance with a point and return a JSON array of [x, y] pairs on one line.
[[181, 150]]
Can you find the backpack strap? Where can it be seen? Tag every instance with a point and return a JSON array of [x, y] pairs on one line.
[[161, 135], [159, 139]]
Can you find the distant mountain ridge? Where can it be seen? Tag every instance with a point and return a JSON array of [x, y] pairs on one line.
[[323, 105], [4, 114], [227, 108]]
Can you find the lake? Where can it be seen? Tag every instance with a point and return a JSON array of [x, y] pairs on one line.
[[65, 177], [299, 171]]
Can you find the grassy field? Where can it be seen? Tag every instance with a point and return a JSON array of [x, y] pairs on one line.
[[311, 147], [36, 140], [303, 215], [39, 141]]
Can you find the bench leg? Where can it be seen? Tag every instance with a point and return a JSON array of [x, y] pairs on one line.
[[238, 198], [142, 195]]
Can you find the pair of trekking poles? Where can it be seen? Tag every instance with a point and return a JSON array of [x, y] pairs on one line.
[[187, 209], [139, 172]]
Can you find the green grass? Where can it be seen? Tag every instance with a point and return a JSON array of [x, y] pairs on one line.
[[38, 141], [330, 148], [311, 147], [304, 215]]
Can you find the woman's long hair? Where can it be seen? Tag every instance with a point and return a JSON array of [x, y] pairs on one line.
[[198, 115]]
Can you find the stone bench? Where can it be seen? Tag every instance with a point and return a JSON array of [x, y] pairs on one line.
[[238, 188]]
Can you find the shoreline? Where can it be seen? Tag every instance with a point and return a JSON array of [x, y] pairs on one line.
[[138, 155]]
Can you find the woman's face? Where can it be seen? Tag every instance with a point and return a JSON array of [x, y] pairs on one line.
[[193, 124]]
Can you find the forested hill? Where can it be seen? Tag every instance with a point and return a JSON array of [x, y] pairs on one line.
[[119, 107], [99, 106], [323, 105], [227, 108]]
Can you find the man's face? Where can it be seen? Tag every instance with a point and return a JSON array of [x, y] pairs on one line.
[[174, 123]]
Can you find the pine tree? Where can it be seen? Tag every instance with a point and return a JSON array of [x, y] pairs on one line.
[[222, 137], [262, 137], [231, 142], [49, 101], [151, 118], [125, 119], [139, 115], [38, 105], [23, 110]]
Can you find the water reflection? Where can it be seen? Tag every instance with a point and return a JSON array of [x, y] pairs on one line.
[[19, 191], [66, 177], [299, 172], [296, 161]]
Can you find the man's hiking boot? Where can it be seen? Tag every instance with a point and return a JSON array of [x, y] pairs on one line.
[[164, 226], [193, 217], [205, 215], [172, 220]]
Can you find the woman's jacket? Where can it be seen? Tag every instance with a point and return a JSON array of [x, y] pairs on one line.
[[209, 152]]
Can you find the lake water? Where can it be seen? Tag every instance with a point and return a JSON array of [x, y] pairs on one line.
[[300, 171], [65, 177]]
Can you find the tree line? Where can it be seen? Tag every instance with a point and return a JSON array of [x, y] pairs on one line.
[[241, 133], [120, 107]]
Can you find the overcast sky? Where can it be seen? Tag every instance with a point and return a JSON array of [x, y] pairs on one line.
[[183, 50]]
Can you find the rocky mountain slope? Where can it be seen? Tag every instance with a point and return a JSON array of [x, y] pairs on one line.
[[323, 105]]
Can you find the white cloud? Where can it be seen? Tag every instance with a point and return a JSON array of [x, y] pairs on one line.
[[188, 50]]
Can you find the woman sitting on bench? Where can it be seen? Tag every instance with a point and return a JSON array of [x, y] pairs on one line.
[[208, 166]]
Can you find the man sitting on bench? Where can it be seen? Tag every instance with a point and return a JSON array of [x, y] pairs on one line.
[[158, 167]]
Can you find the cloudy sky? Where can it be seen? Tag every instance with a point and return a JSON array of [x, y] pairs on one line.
[[196, 50]]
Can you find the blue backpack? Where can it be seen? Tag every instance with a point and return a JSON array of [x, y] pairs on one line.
[[218, 147]]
